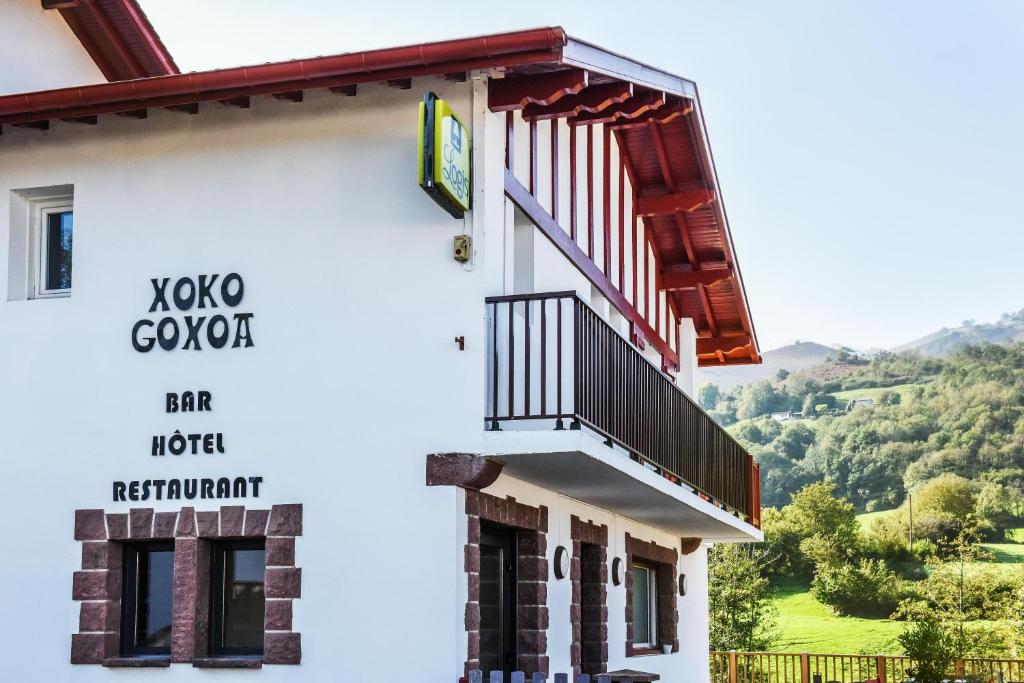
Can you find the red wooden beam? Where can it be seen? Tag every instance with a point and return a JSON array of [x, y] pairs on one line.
[[87, 120], [662, 154], [529, 205], [572, 183], [684, 234], [593, 99], [554, 169], [510, 147], [662, 115], [622, 217], [625, 110], [190, 108], [705, 302], [606, 205], [291, 96], [515, 92], [590, 192], [675, 280], [533, 157], [684, 200], [727, 345], [242, 102]]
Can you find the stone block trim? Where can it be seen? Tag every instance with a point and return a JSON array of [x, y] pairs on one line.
[[588, 612], [532, 617], [97, 586], [668, 612]]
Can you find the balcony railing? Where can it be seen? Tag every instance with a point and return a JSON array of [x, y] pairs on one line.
[[553, 358]]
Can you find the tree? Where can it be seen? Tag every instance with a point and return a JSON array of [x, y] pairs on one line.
[[758, 399], [814, 519], [740, 605], [708, 396]]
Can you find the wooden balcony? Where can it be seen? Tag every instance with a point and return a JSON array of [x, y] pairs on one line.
[[554, 362]]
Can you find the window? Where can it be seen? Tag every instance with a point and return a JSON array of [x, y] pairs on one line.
[[236, 603], [645, 605], [146, 604], [52, 232]]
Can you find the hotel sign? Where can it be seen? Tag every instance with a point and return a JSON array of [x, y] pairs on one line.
[[444, 159]]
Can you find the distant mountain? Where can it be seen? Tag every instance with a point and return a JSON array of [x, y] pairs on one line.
[[946, 341], [798, 356]]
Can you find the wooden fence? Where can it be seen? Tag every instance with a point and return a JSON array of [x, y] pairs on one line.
[[477, 676], [777, 667]]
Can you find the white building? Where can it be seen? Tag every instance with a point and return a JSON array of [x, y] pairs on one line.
[[290, 414]]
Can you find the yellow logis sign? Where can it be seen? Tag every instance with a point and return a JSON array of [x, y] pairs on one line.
[[444, 155]]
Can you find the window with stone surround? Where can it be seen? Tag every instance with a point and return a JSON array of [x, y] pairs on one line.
[[655, 564], [237, 600], [108, 541], [530, 526], [147, 590]]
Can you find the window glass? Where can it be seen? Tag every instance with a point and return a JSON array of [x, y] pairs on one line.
[[148, 588], [58, 233], [238, 605], [641, 605]]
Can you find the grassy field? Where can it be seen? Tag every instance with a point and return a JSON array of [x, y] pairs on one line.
[[806, 625], [874, 393], [868, 518]]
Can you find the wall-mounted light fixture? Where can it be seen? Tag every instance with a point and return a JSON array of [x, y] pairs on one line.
[[561, 562]]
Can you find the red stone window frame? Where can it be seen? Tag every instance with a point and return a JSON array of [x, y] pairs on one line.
[[664, 559], [532, 617], [97, 586], [589, 608]]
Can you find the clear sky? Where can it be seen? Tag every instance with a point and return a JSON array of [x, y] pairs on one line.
[[870, 151]]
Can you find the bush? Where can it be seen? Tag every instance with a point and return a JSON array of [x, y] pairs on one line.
[[930, 644], [865, 590]]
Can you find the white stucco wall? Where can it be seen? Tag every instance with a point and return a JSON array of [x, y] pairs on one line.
[[353, 379], [39, 52]]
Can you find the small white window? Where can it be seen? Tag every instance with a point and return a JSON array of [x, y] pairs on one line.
[[645, 605], [51, 233]]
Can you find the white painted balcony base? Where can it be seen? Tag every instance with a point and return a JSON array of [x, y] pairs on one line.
[[579, 465]]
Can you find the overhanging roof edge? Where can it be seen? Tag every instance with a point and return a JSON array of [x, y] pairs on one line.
[[588, 56]]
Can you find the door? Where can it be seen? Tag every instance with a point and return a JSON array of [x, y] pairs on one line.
[[497, 600]]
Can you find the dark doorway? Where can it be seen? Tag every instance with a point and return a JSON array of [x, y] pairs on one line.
[[497, 599], [592, 636]]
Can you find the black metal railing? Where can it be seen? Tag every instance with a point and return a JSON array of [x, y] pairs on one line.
[[552, 357]]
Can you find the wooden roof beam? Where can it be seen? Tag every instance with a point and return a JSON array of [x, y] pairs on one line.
[[661, 115], [347, 90], [629, 109], [684, 200], [240, 102], [659, 150], [292, 96], [725, 345], [191, 108], [515, 92], [592, 99], [684, 234], [705, 303], [674, 280]]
